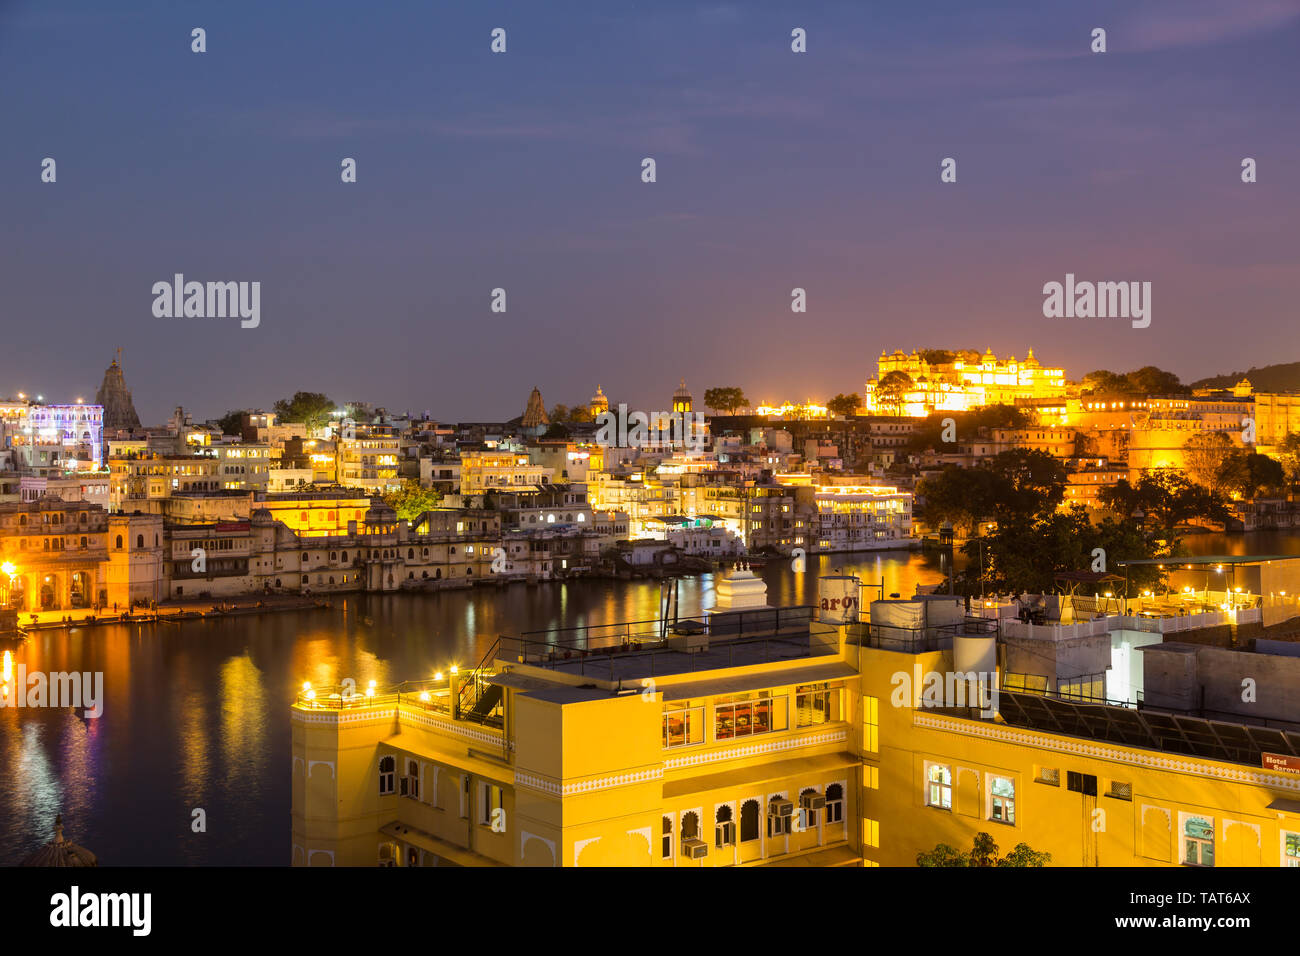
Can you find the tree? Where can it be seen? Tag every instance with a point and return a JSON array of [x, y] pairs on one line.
[[846, 405], [412, 499], [1289, 456], [937, 356], [311, 408], [1247, 474], [556, 431], [1147, 380], [1033, 481], [559, 413], [1025, 553], [1163, 499], [726, 399], [892, 389], [1204, 455], [231, 423], [1014, 484], [984, 852]]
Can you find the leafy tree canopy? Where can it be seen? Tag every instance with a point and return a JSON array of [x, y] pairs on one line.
[[1147, 380], [728, 399], [311, 408], [412, 499], [846, 405], [983, 852]]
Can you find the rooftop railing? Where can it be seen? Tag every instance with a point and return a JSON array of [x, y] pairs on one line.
[[706, 642]]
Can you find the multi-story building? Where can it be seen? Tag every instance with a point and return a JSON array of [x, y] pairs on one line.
[[51, 439], [482, 471], [959, 381], [762, 737], [63, 555]]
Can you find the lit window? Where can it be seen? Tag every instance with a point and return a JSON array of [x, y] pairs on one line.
[[1002, 800], [1198, 841], [1291, 849], [938, 786]]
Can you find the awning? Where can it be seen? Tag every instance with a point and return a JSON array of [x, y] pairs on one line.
[[432, 844]]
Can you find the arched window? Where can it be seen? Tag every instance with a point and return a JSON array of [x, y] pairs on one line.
[[139, 541], [749, 811], [345, 555], [834, 803], [437, 573], [809, 816], [155, 541], [387, 772], [306, 556], [82, 518], [334, 555], [777, 822], [424, 574], [47, 544], [690, 826], [331, 579], [83, 540], [724, 830], [410, 553], [119, 542]]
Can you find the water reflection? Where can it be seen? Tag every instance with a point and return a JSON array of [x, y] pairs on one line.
[[196, 713]]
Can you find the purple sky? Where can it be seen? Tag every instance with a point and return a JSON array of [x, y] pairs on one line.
[[522, 171]]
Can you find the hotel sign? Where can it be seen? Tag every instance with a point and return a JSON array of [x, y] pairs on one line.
[[1280, 762]]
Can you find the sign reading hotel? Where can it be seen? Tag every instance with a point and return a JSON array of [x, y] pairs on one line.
[[1281, 762]]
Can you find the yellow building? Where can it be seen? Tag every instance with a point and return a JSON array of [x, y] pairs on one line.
[[947, 381], [759, 736]]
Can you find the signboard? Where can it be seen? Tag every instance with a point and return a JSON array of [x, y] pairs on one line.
[[837, 599], [1280, 762]]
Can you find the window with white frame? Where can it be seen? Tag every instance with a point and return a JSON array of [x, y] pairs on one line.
[[411, 780], [683, 726], [816, 704], [1290, 849], [938, 786], [1002, 799], [834, 803], [387, 775], [778, 822], [491, 799], [1198, 840]]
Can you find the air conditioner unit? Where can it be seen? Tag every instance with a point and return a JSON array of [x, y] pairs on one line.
[[694, 849], [812, 801], [781, 808], [726, 833]]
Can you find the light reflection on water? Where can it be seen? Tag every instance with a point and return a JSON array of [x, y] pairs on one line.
[[196, 714]]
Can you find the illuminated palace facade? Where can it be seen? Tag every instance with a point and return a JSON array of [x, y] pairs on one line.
[[51, 439], [948, 381], [765, 736]]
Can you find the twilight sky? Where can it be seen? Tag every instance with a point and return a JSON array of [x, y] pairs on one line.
[[522, 171]]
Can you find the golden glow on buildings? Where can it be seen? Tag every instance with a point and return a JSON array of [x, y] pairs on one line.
[[960, 381]]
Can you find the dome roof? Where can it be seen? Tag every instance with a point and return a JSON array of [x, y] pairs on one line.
[[682, 391], [60, 852], [599, 399], [380, 512], [262, 516]]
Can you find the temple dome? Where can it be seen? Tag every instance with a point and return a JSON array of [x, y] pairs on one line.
[[535, 412]]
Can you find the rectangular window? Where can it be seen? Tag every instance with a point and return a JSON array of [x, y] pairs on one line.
[[1002, 800], [740, 717], [816, 704], [870, 725], [683, 726], [666, 846], [1198, 840], [938, 786], [1049, 775], [491, 799], [1291, 849]]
